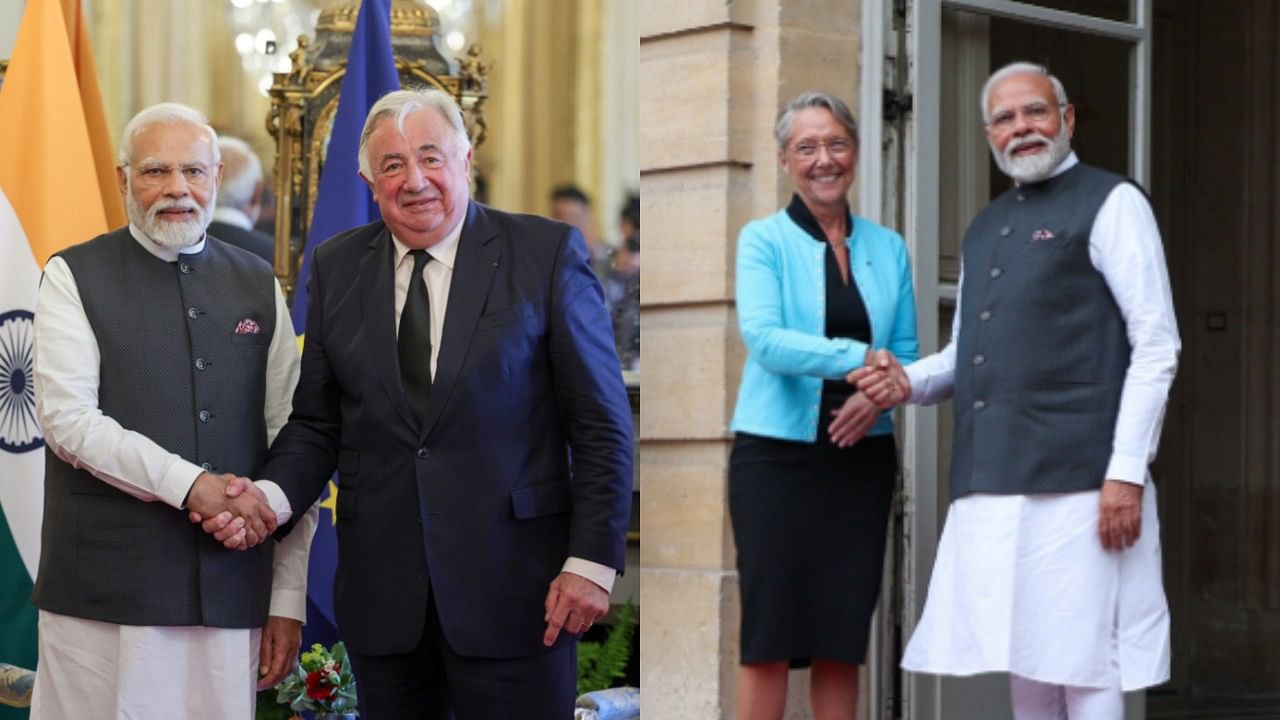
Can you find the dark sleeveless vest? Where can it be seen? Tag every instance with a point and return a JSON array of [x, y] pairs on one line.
[[174, 369], [1042, 351]]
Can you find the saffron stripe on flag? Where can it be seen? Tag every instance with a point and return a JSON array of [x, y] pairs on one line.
[[52, 127]]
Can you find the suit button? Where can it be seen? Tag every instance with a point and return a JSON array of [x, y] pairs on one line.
[[184, 268], [206, 467], [979, 404], [1004, 231], [423, 453], [985, 315], [193, 313], [995, 272], [200, 364], [978, 359], [204, 416], [1021, 197]]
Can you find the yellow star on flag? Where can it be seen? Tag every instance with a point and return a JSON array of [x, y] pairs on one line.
[[331, 502]]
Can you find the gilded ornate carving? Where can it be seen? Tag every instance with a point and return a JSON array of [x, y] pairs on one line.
[[298, 59], [473, 70], [407, 18]]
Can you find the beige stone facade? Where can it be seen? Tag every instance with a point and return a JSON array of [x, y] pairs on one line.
[[712, 76]]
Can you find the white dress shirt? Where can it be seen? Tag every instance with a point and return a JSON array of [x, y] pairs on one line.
[[66, 360], [438, 275]]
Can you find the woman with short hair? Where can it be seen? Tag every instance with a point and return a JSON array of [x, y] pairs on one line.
[[813, 463]]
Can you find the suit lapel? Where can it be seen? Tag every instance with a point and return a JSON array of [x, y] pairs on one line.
[[378, 310], [474, 268]]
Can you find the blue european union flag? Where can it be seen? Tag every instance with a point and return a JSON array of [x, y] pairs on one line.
[[342, 203]]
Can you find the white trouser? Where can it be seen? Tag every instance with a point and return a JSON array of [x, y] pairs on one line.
[[1033, 700], [91, 669]]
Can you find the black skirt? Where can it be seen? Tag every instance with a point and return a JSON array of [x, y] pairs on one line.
[[809, 520]]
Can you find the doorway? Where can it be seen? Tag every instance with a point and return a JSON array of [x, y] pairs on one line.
[[1216, 190]]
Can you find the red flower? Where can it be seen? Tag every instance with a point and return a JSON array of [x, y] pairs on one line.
[[318, 687]]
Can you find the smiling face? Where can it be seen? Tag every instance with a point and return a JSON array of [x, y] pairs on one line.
[[820, 156], [1028, 132], [421, 179], [170, 183]]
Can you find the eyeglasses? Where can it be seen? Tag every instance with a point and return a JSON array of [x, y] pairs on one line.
[[836, 148], [1035, 113], [157, 175]]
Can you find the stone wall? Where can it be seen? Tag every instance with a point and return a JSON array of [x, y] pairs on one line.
[[712, 76]]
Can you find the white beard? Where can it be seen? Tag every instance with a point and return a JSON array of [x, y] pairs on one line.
[[167, 233], [1037, 166]]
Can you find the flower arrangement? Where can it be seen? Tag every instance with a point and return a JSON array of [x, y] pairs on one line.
[[321, 683]]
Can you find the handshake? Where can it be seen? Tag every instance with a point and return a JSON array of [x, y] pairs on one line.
[[882, 380], [232, 509], [882, 384]]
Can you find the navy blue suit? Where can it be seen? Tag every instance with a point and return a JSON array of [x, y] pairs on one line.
[[524, 456]]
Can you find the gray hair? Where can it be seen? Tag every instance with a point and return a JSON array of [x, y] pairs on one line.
[[399, 104], [162, 114], [813, 99], [1019, 68], [241, 175]]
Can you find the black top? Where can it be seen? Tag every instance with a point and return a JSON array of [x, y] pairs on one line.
[[846, 313]]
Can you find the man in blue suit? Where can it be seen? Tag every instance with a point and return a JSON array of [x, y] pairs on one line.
[[470, 398]]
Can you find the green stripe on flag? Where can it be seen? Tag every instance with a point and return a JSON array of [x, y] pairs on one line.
[[17, 614]]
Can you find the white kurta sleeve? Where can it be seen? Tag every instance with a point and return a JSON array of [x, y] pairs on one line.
[[289, 568], [1125, 247], [66, 360], [933, 378], [289, 571], [283, 363]]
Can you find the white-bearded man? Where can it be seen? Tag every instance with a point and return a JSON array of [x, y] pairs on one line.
[[1062, 353], [164, 364]]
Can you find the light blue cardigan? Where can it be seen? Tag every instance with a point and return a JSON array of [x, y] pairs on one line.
[[781, 297]]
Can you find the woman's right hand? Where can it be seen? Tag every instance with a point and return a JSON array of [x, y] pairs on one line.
[[853, 420]]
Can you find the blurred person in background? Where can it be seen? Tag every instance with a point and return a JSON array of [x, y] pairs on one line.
[[569, 204], [622, 286], [240, 200]]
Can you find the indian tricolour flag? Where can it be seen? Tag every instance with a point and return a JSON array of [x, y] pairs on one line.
[[57, 188]]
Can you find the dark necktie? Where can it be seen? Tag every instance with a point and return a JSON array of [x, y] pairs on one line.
[[415, 338]]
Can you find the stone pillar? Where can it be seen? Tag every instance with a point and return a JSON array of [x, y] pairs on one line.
[[712, 76]]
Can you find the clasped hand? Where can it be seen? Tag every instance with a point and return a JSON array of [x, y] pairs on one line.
[[882, 379], [882, 384], [232, 509]]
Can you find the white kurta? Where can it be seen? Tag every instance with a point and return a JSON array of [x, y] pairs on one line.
[[94, 669], [1021, 583]]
